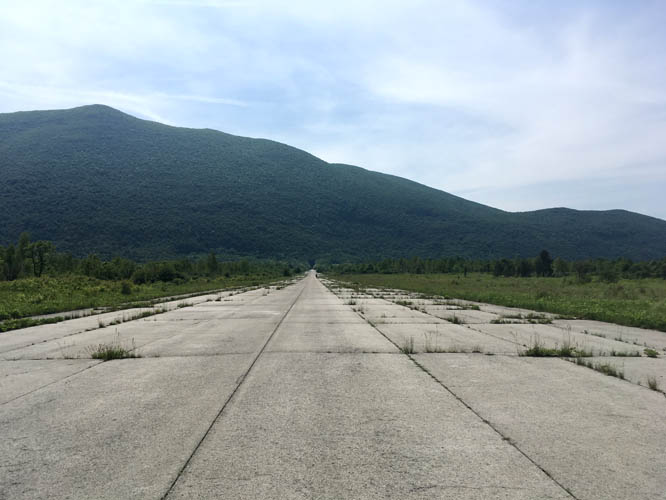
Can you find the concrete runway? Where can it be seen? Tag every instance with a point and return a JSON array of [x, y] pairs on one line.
[[301, 392]]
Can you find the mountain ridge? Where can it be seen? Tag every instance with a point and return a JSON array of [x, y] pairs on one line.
[[94, 179]]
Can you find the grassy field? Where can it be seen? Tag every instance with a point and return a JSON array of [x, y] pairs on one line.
[[33, 296], [640, 303]]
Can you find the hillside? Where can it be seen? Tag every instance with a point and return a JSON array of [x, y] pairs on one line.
[[93, 179]]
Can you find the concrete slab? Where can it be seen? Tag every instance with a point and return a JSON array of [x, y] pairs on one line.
[[18, 378], [81, 345], [329, 337], [397, 317], [527, 334], [122, 429], [354, 426], [484, 314], [512, 311], [355, 423], [637, 370], [225, 337], [318, 324], [16, 339], [636, 336], [219, 311], [464, 315], [340, 316], [441, 308], [207, 329], [447, 338], [603, 438]]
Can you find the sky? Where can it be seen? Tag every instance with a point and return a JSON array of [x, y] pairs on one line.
[[520, 105]]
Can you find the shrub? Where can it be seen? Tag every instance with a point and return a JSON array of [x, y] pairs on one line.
[[126, 288]]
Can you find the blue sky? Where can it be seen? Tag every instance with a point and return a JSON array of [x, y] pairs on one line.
[[520, 105]]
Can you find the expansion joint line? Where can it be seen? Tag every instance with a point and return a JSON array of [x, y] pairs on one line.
[[93, 365], [239, 382], [489, 424], [478, 415]]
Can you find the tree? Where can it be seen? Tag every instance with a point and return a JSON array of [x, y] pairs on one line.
[[498, 268], [13, 263], [38, 253], [23, 246], [211, 264], [544, 264], [607, 272], [508, 268], [560, 267], [166, 272], [525, 268], [91, 266], [581, 268]]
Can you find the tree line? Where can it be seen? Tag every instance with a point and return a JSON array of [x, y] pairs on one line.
[[543, 265], [28, 258]]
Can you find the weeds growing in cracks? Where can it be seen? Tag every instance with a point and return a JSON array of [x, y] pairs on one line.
[[566, 350], [408, 346], [652, 383], [114, 350]]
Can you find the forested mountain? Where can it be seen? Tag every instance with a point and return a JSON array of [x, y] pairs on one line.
[[93, 179]]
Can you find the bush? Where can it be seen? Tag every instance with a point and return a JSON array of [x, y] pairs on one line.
[[126, 288], [139, 277]]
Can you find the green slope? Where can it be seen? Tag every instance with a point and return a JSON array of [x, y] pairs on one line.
[[95, 179]]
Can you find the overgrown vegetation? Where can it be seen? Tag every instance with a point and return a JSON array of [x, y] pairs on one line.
[[630, 302], [531, 318], [543, 265], [66, 283], [566, 350]]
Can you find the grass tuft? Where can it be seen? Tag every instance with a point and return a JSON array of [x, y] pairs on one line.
[[114, 350], [652, 383], [566, 350], [408, 346], [455, 320]]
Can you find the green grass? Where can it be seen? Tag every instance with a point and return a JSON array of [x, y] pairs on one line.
[[115, 350], [531, 318], [566, 350], [15, 324], [34, 296], [640, 303], [602, 367]]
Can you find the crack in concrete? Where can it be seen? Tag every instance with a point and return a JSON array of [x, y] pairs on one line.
[[507, 439], [239, 382], [54, 382]]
